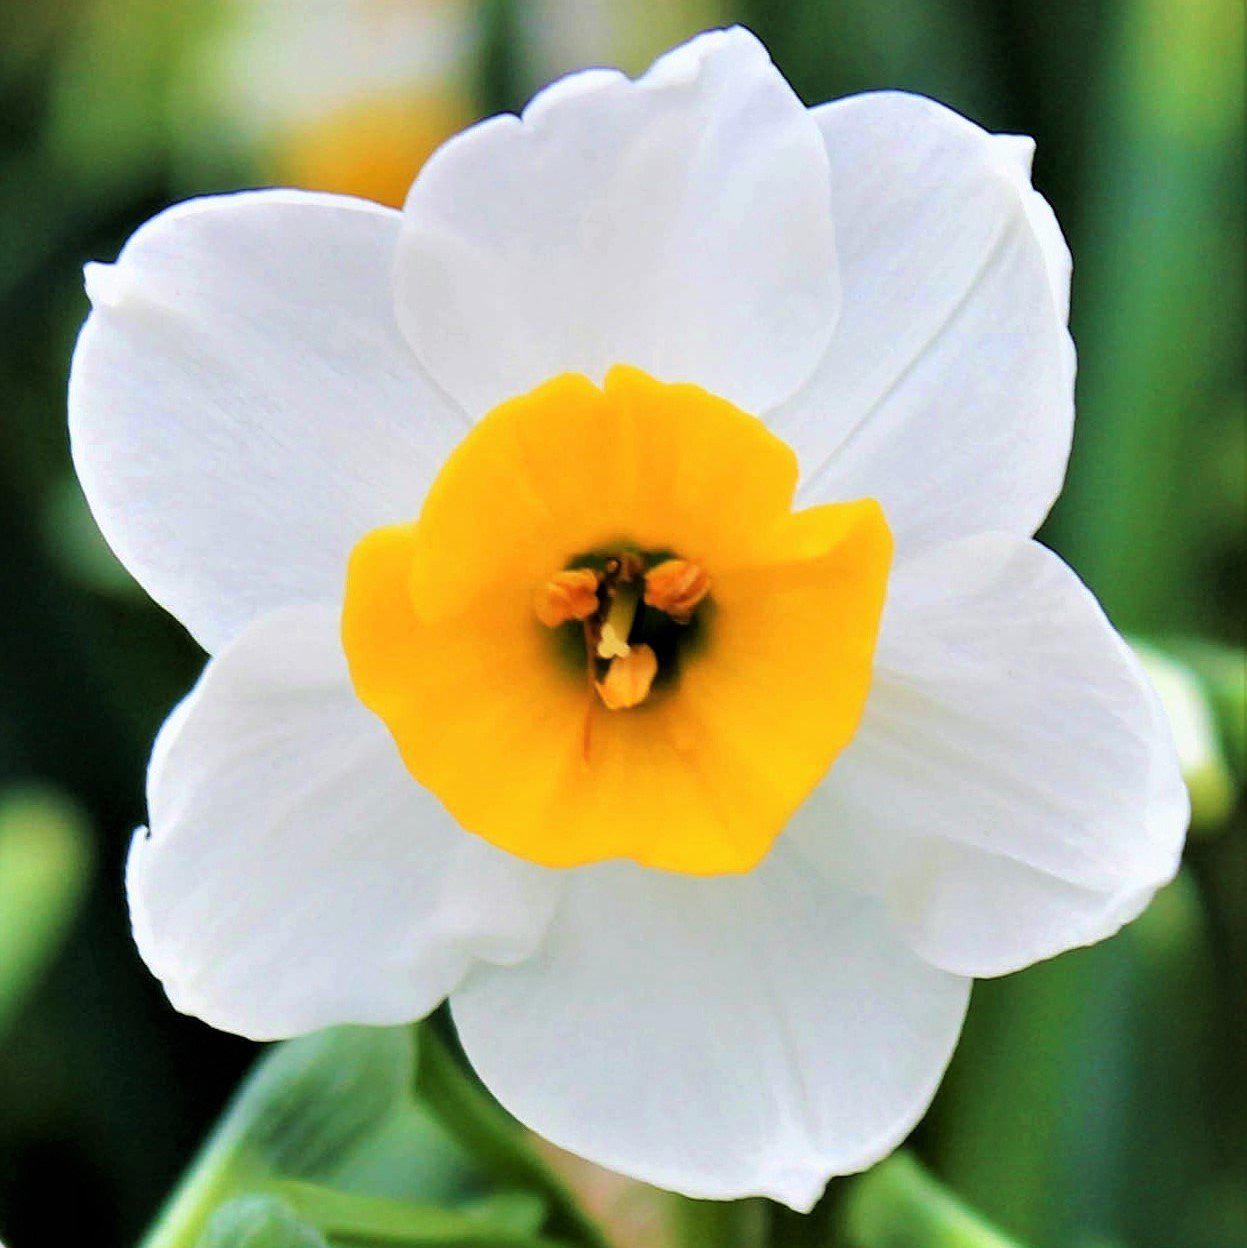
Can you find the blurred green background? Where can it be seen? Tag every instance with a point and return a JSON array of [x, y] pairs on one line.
[[1097, 1101]]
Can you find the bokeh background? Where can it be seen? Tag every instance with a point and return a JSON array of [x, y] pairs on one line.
[[1097, 1101]]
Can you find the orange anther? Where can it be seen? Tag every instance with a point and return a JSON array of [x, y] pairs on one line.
[[628, 679], [675, 587], [571, 595]]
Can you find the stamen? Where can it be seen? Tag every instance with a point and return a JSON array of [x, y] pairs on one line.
[[571, 595], [628, 679], [613, 641], [676, 587], [619, 602]]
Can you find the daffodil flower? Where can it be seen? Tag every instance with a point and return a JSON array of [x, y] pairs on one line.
[[624, 615]]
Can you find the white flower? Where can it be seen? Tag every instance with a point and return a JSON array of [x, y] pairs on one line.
[[269, 381]]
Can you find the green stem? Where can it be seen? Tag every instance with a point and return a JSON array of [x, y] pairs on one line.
[[500, 63], [182, 1220], [899, 1205], [495, 1139], [379, 1220], [719, 1223]]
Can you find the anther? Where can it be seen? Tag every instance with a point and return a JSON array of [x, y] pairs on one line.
[[571, 595], [628, 679], [676, 587]]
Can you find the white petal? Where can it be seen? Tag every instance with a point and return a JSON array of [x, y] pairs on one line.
[[295, 875], [1016, 154], [243, 407], [947, 391], [1013, 790], [721, 1037], [679, 223]]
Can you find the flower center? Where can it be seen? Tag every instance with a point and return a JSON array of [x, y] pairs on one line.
[[609, 635], [629, 614]]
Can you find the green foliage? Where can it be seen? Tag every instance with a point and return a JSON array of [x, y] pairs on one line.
[[313, 1100], [326, 1142], [494, 1139], [45, 857], [1079, 1097], [330, 1112], [899, 1205], [1161, 314], [714, 1223], [135, 57], [258, 1222], [377, 1220]]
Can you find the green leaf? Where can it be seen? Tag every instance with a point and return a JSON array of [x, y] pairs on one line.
[[513, 1211], [494, 1138], [45, 861], [314, 1099], [335, 1107], [258, 1222], [829, 50], [1156, 370], [410, 1155], [376, 1220], [719, 1223], [900, 1205], [1075, 1104]]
